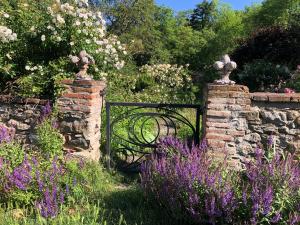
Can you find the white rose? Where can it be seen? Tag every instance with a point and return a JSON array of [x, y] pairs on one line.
[[27, 67], [43, 37], [71, 43], [8, 56], [85, 60], [6, 15]]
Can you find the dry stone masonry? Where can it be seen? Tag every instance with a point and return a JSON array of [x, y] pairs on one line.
[[21, 116], [238, 121], [278, 116], [80, 116]]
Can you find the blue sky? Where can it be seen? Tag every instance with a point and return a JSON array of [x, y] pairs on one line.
[[190, 4]]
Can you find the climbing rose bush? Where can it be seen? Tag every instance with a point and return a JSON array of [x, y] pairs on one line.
[[169, 75], [36, 44], [191, 185], [164, 83]]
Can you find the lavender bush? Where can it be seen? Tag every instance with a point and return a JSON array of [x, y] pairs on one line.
[[34, 182], [189, 183]]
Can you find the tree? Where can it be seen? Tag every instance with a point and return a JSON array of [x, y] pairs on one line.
[[203, 15], [223, 37], [274, 44], [133, 21], [273, 13]]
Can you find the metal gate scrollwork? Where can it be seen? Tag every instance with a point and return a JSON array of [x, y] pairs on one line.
[[134, 134]]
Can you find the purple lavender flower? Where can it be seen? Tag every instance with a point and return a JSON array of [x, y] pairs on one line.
[[67, 189], [270, 141], [267, 200], [5, 134], [74, 181], [294, 218], [276, 218], [1, 163], [186, 179], [62, 197], [46, 112]]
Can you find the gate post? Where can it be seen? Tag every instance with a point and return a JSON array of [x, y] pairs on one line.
[[80, 116], [224, 119]]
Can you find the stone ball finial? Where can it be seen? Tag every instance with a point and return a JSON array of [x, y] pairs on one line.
[[83, 60], [225, 66]]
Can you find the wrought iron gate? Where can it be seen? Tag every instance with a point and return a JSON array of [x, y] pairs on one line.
[[140, 128]]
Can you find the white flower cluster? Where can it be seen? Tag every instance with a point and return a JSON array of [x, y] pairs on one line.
[[6, 34], [167, 74], [31, 68], [88, 29], [111, 48]]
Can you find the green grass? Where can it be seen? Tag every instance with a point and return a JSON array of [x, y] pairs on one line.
[[111, 198]]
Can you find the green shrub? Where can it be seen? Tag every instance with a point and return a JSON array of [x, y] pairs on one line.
[[50, 141], [13, 152], [261, 75]]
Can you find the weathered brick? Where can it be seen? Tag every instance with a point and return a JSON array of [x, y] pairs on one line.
[[275, 97], [234, 107], [86, 102], [258, 96], [215, 131], [218, 94], [240, 88], [219, 125], [243, 101], [216, 106], [215, 144], [279, 98], [217, 120], [67, 81], [220, 137], [235, 94], [231, 132], [93, 83], [81, 96], [221, 101], [86, 90], [224, 114], [236, 133], [295, 98]]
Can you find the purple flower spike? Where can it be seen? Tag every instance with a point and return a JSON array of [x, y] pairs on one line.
[[270, 140], [46, 111]]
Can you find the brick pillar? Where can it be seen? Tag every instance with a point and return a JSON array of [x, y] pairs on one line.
[[80, 116], [224, 121]]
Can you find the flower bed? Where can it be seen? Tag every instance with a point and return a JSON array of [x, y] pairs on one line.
[[189, 183]]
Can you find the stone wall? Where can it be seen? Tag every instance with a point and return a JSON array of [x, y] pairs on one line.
[[79, 116], [21, 116], [277, 115], [238, 121]]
